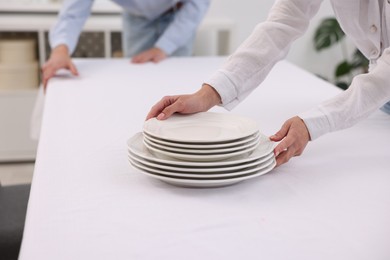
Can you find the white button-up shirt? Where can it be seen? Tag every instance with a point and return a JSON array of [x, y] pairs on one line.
[[364, 21]]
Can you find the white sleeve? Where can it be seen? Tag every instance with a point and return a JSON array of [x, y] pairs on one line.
[[268, 43], [367, 93]]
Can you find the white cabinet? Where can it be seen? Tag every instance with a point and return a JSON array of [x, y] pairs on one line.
[[15, 115]]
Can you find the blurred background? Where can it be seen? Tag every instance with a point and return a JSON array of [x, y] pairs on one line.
[[24, 26]]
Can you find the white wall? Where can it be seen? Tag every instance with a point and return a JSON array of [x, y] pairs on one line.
[[247, 13]]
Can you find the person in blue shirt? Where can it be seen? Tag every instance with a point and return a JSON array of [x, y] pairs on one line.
[[152, 30]]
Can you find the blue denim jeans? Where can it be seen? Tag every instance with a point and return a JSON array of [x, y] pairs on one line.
[[140, 34], [386, 108]]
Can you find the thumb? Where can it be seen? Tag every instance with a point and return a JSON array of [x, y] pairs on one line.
[[281, 133]]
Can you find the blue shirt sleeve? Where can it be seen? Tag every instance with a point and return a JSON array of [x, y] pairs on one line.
[[70, 22], [184, 25]]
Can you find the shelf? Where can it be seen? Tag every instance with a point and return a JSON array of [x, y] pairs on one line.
[[43, 22], [53, 8]]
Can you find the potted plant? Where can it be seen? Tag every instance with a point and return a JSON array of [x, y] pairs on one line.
[[329, 33]]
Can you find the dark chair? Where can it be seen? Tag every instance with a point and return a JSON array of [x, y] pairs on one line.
[[13, 206]]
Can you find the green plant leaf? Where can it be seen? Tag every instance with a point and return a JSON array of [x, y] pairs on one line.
[[359, 61], [343, 68], [342, 85], [327, 34]]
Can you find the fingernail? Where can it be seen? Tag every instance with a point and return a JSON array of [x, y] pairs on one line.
[[277, 153], [161, 116]]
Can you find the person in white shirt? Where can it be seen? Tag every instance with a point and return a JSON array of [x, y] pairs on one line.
[[152, 30], [367, 22]]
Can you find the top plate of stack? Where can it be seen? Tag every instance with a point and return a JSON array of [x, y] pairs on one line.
[[201, 137], [204, 129]]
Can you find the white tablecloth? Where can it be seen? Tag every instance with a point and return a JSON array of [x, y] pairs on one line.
[[87, 202]]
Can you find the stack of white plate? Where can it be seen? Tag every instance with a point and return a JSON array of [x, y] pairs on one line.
[[201, 150]]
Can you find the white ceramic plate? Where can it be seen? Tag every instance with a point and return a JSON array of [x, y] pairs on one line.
[[197, 175], [205, 127], [202, 145], [214, 183], [200, 157], [201, 151], [203, 170], [135, 145]]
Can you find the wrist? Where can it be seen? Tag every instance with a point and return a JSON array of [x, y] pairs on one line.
[[211, 95], [61, 49]]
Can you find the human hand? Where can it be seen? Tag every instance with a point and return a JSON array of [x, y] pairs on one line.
[[154, 55], [200, 101], [59, 59], [294, 136]]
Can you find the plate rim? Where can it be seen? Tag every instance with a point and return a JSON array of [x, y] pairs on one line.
[[253, 125], [201, 157], [203, 151], [148, 155], [202, 145], [208, 183], [202, 171]]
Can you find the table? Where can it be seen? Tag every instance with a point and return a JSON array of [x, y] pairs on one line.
[[87, 202]]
